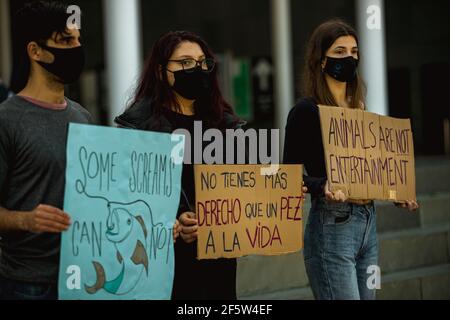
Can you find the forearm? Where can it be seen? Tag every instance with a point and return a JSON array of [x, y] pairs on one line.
[[11, 221]]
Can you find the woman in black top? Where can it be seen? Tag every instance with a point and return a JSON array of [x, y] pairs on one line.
[[341, 246], [178, 87]]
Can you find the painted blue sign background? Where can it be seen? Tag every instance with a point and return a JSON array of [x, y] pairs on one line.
[[122, 193]]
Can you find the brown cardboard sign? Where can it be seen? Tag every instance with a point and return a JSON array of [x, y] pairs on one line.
[[241, 211], [368, 156]]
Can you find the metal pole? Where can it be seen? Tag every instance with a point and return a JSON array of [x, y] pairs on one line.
[[371, 27], [123, 52], [283, 62], [5, 42]]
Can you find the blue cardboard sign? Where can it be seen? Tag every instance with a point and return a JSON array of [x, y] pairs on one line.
[[122, 193]]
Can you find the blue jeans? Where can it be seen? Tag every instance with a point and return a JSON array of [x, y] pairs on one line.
[[17, 290], [340, 245]]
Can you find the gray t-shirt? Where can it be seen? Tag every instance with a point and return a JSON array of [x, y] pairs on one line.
[[32, 172]]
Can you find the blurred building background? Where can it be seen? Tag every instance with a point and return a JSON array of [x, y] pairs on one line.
[[260, 47]]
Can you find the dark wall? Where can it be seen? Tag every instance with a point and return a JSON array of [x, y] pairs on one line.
[[418, 53], [242, 26]]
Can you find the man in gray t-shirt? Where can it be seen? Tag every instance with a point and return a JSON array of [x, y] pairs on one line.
[[33, 134]]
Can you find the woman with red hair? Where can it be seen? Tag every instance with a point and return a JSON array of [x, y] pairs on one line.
[[178, 87]]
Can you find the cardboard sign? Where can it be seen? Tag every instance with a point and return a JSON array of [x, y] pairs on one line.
[[368, 157], [122, 193], [243, 212]]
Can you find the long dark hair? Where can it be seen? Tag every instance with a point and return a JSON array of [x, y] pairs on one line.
[[153, 84], [314, 82]]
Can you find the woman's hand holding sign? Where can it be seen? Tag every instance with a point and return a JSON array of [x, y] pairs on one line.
[[189, 227], [177, 228], [337, 196], [304, 188], [410, 205]]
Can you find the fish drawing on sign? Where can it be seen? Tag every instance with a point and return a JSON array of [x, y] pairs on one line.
[[128, 233]]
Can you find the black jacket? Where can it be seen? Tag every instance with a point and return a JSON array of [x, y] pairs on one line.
[[141, 116]]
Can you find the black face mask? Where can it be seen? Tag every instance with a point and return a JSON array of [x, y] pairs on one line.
[[342, 69], [193, 84], [68, 63]]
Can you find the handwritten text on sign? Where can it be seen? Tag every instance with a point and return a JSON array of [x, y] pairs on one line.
[[242, 212], [368, 156], [123, 199]]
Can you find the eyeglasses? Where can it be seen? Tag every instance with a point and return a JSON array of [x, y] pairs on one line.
[[189, 65]]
